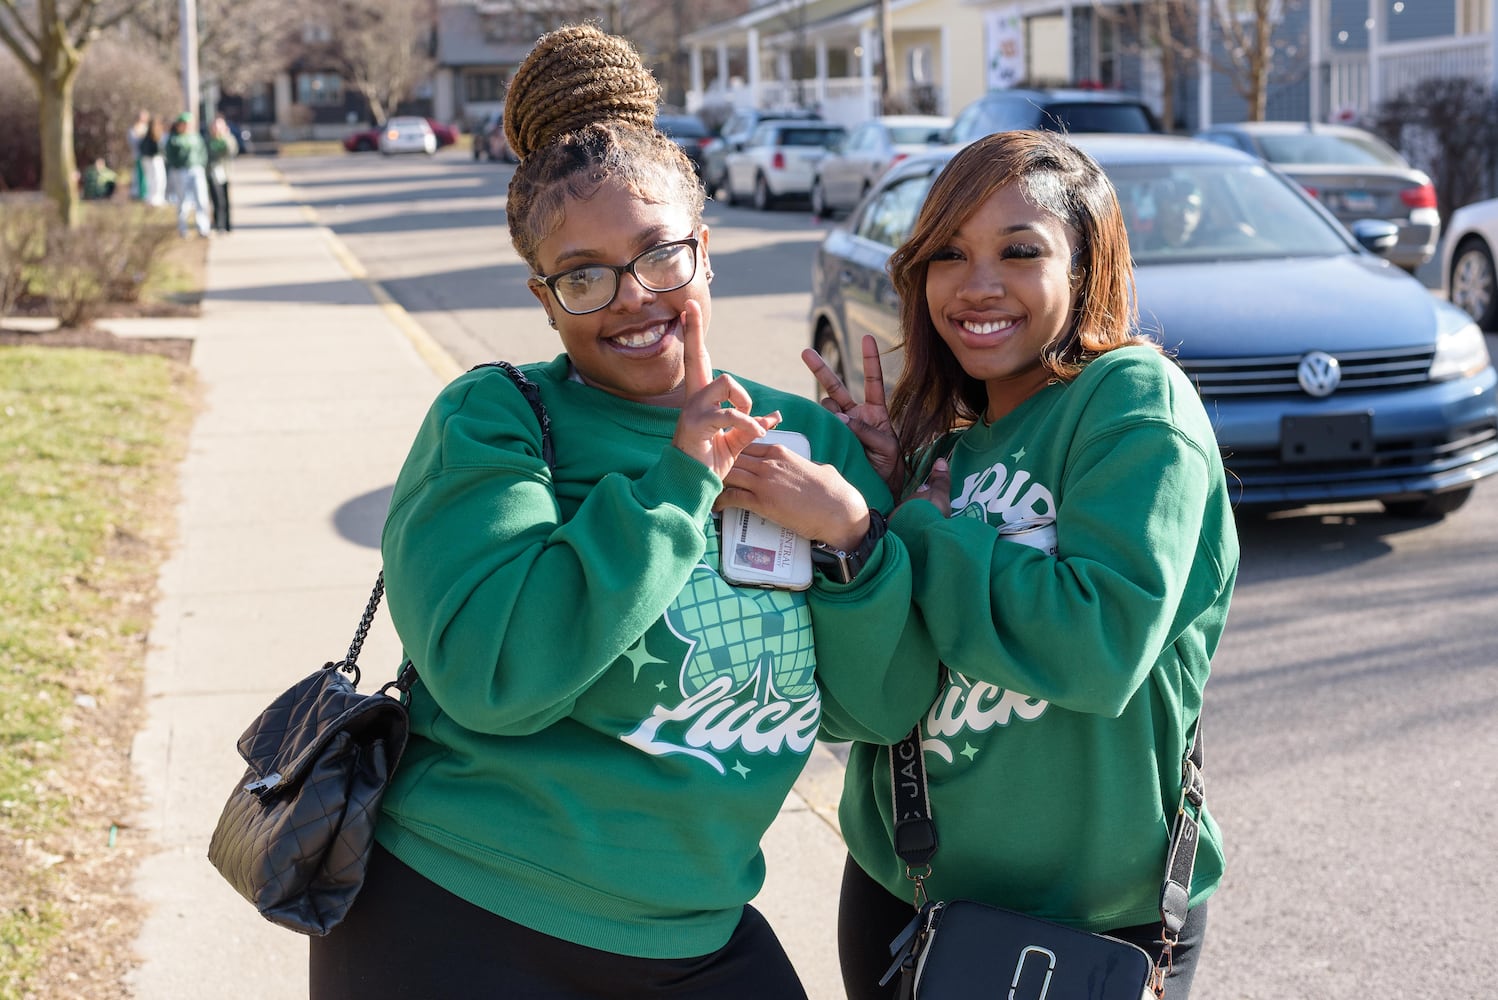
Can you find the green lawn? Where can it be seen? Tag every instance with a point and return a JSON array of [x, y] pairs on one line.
[[89, 446]]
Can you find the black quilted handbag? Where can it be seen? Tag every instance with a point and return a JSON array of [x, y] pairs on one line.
[[295, 835]]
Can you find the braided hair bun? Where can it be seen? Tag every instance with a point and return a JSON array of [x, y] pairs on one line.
[[577, 76]]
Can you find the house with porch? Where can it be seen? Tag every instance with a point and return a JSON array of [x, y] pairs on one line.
[[1336, 59], [825, 54]]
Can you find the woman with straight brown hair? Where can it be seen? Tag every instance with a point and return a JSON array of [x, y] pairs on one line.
[[1068, 521]]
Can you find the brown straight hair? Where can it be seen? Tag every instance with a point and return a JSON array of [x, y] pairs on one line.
[[934, 394]]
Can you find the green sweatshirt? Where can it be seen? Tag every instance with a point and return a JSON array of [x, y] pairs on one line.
[[604, 729], [1054, 750]]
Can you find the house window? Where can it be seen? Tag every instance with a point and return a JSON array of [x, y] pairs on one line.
[[316, 33], [319, 90], [482, 86]]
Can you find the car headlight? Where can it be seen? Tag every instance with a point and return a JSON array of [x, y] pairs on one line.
[[1459, 354]]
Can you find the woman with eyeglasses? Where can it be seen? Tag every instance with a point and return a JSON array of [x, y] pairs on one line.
[[604, 728]]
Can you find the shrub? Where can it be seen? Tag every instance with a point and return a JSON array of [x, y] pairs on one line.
[[23, 230], [1448, 127], [108, 257]]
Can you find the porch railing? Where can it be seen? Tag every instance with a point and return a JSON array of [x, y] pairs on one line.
[[1402, 65]]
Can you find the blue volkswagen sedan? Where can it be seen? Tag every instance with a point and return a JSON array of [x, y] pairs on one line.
[[1331, 375]]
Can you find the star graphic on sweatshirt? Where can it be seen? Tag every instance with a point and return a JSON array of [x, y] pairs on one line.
[[969, 751], [1018, 455], [743, 771], [638, 657]]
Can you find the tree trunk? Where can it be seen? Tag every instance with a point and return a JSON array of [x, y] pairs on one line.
[[59, 71]]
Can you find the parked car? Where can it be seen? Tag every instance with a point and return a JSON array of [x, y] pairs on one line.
[[407, 135], [1467, 259], [732, 136], [368, 140], [1330, 374], [489, 140], [847, 173], [1352, 172], [1058, 109], [779, 160], [688, 132]]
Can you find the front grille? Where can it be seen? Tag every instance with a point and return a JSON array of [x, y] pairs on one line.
[[1270, 377]]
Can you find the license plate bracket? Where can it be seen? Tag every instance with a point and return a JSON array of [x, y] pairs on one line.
[[1327, 437]]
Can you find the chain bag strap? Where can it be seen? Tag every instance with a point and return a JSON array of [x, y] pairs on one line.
[[1040, 947], [295, 835]]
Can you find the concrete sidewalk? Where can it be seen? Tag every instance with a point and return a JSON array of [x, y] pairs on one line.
[[313, 383]]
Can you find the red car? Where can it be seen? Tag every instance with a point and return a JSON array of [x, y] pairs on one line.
[[368, 140]]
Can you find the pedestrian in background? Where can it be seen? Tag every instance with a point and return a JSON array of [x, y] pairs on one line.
[[153, 162], [1075, 661], [579, 810], [99, 181], [222, 147], [187, 180], [133, 136]]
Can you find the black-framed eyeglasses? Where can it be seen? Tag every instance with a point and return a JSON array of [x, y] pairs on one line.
[[664, 267]]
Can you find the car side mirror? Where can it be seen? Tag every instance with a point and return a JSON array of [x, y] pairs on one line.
[[1376, 235]]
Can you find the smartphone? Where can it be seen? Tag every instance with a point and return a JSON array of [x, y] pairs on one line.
[[757, 552]]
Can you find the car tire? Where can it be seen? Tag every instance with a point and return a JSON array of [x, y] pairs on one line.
[[763, 199], [364, 146], [1436, 505], [831, 350], [819, 199], [1474, 282]]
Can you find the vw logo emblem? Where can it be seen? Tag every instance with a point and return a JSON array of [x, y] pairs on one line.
[[1319, 374]]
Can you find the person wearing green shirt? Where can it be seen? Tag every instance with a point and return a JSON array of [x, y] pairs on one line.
[[1069, 525], [186, 157], [604, 727]]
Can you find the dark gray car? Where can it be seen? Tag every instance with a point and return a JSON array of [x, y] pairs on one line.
[[1352, 172]]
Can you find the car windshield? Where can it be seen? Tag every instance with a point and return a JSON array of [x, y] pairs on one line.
[[688, 127], [810, 136], [914, 135], [1184, 212], [1099, 116], [1318, 147]]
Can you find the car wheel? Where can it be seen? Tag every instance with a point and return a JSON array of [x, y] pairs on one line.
[[364, 146], [763, 199], [819, 200], [1474, 283], [1435, 505], [832, 352]]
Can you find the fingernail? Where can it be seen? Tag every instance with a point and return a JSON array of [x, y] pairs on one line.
[[940, 465], [843, 417]]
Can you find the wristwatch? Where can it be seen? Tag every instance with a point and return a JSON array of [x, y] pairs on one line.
[[841, 567]]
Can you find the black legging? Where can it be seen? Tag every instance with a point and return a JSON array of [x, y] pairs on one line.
[[869, 918], [408, 938]]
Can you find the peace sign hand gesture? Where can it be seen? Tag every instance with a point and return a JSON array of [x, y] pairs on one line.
[[869, 421]]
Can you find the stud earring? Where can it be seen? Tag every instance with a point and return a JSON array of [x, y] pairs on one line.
[[551, 321], [709, 276]]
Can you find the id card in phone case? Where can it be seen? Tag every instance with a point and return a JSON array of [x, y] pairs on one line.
[[760, 553]]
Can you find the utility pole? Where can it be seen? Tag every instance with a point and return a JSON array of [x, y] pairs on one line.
[[188, 14], [886, 53]]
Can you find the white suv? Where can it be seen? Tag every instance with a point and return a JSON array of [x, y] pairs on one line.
[[779, 160]]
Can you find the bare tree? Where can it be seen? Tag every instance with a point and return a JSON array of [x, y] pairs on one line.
[[1243, 43], [240, 42], [49, 43], [384, 49]]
